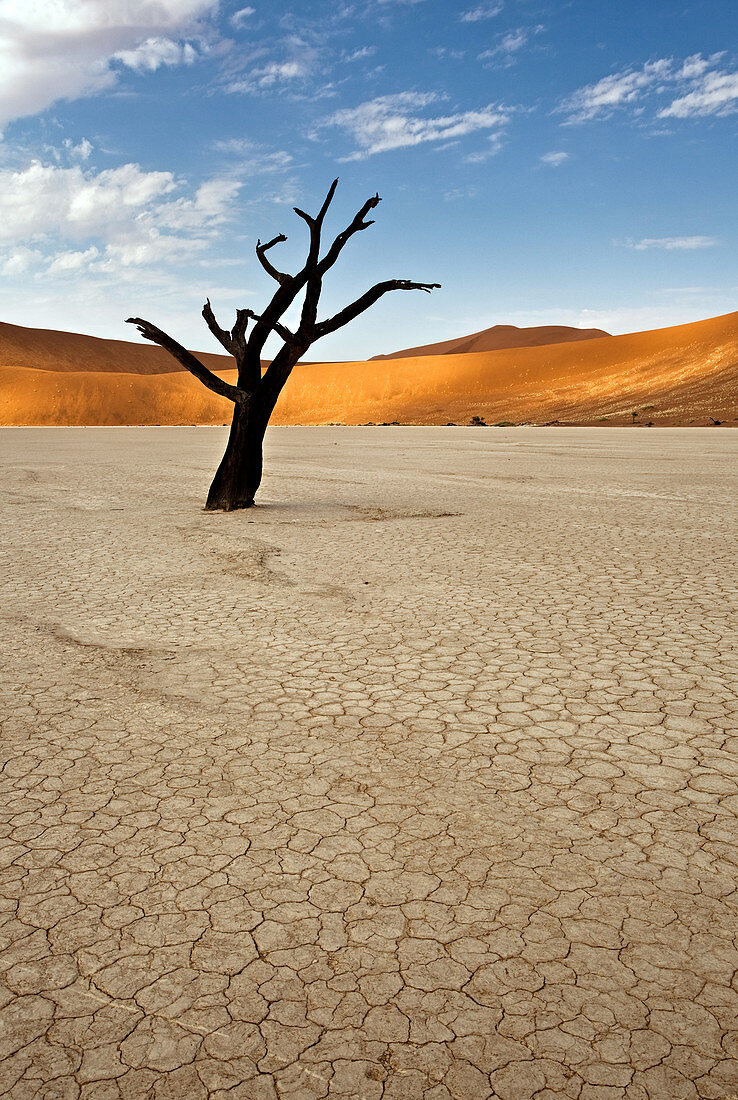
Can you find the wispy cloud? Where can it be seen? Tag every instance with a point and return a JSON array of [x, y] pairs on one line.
[[360, 53], [554, 159], [296, 61], [394, 122], [702, 90], [494, 145], [617, 90], [509, 45], [672, 244], [715, 94], [443, 52], [483, 11], [241, 17], [254, 159]]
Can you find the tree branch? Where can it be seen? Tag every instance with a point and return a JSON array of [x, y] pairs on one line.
[[189, 361], [279, 328], [356, 226], [238, 332], [269, 267], [312, 267], [291, 285], [365, 301], [220, 334]]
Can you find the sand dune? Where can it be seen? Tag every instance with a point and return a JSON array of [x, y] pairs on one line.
[[498, 337], [680, 375], [47, 349]]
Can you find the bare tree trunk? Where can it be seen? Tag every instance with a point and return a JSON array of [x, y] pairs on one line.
[[256, 393], [239, 474]]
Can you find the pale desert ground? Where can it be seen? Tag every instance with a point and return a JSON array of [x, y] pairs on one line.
[[417, 782]]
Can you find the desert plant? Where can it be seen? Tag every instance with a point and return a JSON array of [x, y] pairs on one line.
[[255, 393]]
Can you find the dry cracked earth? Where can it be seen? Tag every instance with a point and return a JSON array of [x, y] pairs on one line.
[[416, 782]]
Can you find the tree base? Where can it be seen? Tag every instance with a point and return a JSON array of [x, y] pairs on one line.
[[228, 507]]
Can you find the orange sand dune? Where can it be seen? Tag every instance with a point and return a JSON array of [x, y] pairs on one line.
[[46, 349], [676, 375], [501, 336]]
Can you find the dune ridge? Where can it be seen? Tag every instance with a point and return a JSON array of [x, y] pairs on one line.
[[497, 338], [681, 375]]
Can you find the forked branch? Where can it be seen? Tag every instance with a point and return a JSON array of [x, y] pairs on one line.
[[189, 361], [220, 334], [357, 225]]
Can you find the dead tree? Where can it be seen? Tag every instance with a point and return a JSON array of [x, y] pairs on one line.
[[255, 393]]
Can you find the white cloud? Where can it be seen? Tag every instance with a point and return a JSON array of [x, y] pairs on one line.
[[392, 122], [702, 89], [484, 11], [554, 159], [671, 244], [613, 91], [18, 261], [241, 17], [72, 261], [155, 52], [360, 52], [442, 52], [254, 159], [63, 49], [113, 219], [82, 150], [267, 76], [510, 44], [43, 199], [493, 148], [716, 94], [298, 62]]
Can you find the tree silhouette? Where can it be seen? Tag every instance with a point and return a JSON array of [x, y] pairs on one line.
[[255, 393]]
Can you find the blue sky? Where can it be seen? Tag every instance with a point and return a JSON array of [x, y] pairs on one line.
[[547, 161]]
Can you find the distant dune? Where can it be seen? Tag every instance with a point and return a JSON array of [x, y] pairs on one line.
[[499, 337], [682, 375], [46, 349]]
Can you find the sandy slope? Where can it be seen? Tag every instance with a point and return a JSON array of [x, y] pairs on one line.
[[684, 374], [498, 337], [47, 349]]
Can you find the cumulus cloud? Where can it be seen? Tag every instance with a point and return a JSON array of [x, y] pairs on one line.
[[554, 159], [394, 122], [672, 244], [73, 219], [19, 260], [701, 89], [63, 49], [72, 261]]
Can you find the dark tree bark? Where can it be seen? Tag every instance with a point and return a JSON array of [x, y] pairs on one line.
[[256, 393]]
